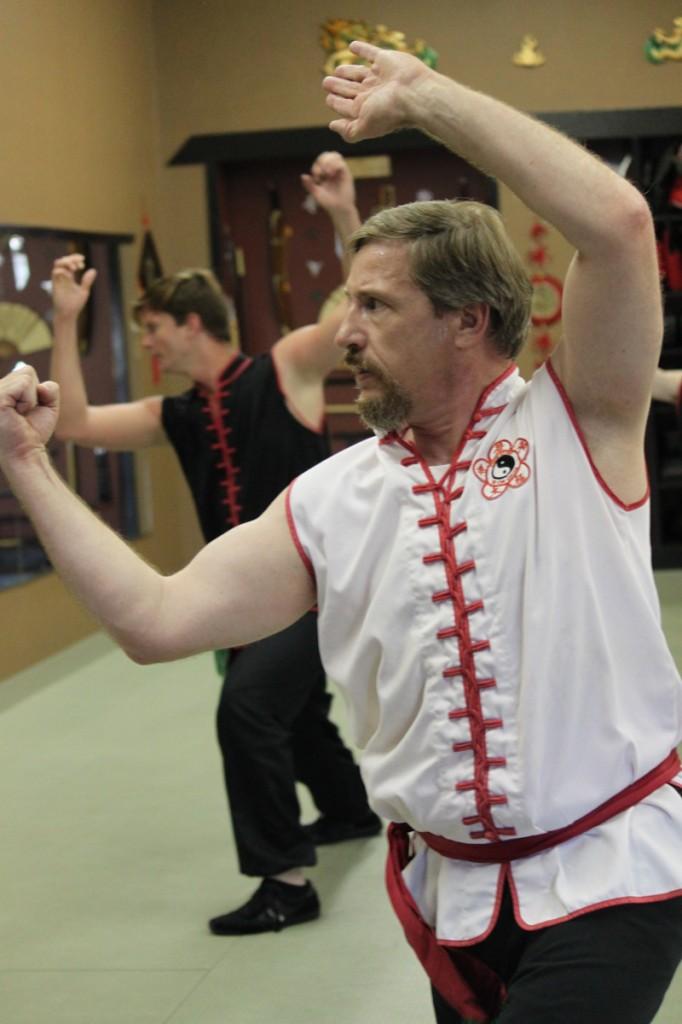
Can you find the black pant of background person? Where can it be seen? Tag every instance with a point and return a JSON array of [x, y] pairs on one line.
[[274, 730], [609, 966]]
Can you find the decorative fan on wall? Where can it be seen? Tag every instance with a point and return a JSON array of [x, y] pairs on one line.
[[22, 331]]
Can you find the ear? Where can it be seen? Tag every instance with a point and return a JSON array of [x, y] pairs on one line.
[[194, 322], [472, 323]]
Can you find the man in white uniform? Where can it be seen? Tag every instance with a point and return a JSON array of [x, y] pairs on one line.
[[481, 569]]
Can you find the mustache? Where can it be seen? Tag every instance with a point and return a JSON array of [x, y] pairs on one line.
[[354, 362]]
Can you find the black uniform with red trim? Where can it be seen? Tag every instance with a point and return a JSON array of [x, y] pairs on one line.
[[239, 447]]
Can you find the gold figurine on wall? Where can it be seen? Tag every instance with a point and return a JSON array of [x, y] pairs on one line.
[[529, 56], [336, 35], [662, 46]]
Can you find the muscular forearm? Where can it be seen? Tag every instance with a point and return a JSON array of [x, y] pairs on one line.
[[591, 205], [65, 369], [330, 182], [223, 598], [346, 220]]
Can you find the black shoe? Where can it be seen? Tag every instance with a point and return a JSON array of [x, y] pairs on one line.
[[273, 906], [326, 830]]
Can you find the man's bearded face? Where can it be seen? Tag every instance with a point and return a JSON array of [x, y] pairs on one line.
[[390, 408]]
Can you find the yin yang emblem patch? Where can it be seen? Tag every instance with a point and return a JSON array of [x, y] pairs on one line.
[[505, 467]]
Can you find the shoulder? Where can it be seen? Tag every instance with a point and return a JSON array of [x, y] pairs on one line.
[[335, 471], [333, 497], [252, 371], [182, 398], [177, 407], [542, 391]]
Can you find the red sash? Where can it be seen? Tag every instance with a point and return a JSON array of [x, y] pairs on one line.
[[465, 982]]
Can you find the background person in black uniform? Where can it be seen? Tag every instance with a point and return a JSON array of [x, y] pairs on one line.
[[244, 430]]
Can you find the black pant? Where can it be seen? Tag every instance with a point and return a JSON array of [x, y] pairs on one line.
[[609, 966], [274, 730]]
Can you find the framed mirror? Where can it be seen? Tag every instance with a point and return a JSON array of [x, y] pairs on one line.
[[105, 480]]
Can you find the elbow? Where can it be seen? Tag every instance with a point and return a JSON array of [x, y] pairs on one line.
[[63, 433], [138, 648], [637, 212], [139, 656], [140, 628], [621, 229], [68, 430], [631, 219], [143, 650]]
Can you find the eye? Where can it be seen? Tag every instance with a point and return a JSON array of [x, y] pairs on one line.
[[370, 303]]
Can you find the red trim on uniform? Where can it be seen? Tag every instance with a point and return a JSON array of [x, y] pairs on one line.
[[502, 877], [445, 491], [479, 998], [393, 437], [526, 846], [465, 982], [506, 872], [225, 381], [294, 533], [494, 385], [615, 902], [218, 414], [581, 437]]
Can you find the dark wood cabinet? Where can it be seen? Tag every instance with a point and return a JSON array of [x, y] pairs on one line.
[[274, 252]]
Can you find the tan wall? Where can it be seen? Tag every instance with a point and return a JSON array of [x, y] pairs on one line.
[[80, 150], [241, 67], [99, 94]]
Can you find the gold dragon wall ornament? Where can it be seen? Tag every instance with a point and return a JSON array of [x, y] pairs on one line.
[[662, 46], [529, 56], [336, 35]]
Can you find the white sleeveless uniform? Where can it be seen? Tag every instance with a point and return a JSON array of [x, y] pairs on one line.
[[496, 630]]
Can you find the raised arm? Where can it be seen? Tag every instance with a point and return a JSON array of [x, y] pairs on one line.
[[225, 597], [612, 309], [306, 356], [330, 183], [123, 426]]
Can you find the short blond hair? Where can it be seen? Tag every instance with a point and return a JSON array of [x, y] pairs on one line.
[[460, 253]]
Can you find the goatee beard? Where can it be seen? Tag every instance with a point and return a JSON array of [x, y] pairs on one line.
[[388, 411]]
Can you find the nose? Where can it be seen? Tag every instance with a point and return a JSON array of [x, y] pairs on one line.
[[350, 333]]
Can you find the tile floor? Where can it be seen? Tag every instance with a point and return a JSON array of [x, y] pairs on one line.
[[115, 850]]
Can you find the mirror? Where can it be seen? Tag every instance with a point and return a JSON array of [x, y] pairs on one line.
[[105, 480]]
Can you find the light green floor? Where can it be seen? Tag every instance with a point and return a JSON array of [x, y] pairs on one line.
[[115, 850]]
